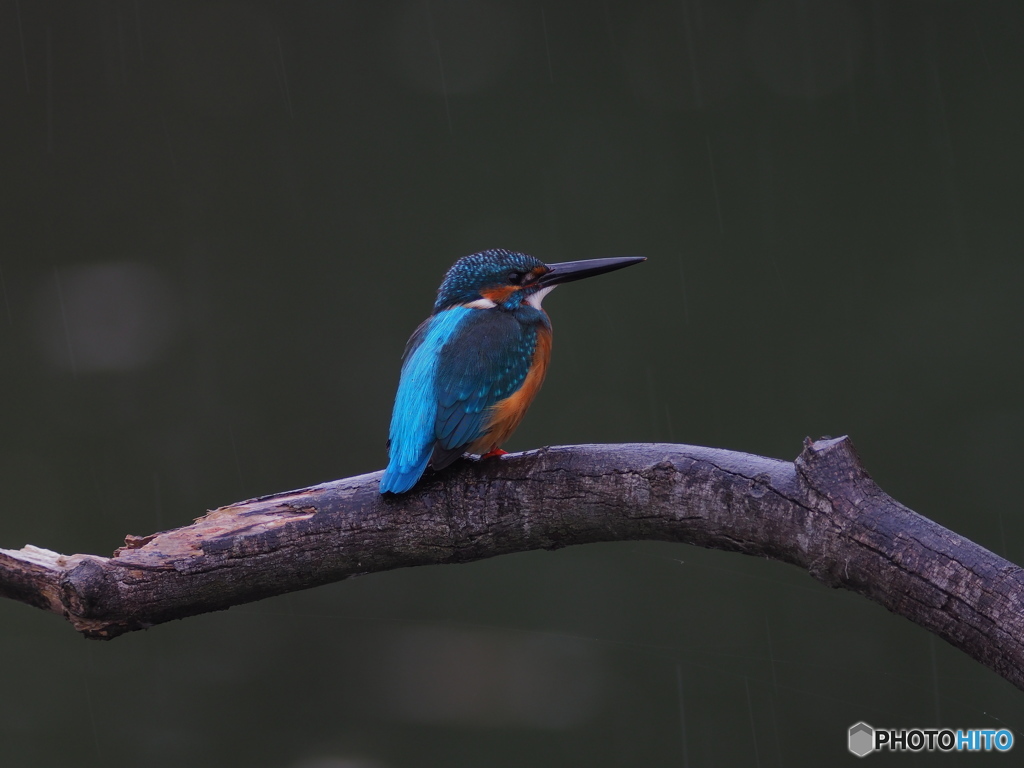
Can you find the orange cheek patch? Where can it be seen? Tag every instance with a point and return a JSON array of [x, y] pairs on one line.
[[500, 294]]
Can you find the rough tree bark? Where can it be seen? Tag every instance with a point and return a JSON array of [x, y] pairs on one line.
[[822, 513]]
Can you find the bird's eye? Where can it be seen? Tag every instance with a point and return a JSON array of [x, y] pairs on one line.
[[515, 277]]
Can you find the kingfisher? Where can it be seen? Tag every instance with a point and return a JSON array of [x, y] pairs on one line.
[[471, 369]]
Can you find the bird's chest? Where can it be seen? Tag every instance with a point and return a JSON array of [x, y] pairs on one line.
[[506, 414]]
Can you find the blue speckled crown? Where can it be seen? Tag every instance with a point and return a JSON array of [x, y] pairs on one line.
[[467, 276]]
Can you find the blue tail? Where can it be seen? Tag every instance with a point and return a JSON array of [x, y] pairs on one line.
[[400, 478]]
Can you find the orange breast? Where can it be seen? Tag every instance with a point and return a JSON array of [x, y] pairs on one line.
[[506, 414]]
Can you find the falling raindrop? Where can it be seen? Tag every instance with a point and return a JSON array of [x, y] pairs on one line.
[[64, 323], [682, 716], [21, 35], [138, 32], [753, 730], [7, 303], [49, 90], [547, 46], [284, 79], [714, 186], [440, 68]]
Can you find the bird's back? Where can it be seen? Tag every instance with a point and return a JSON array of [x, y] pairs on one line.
[[469, 375]]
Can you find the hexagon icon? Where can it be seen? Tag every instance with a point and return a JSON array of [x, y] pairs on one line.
[[862, 739]]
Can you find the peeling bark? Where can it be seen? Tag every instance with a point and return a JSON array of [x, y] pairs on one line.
[[821, 512]]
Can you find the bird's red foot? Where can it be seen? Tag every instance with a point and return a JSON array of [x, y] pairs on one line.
[[495, 452]]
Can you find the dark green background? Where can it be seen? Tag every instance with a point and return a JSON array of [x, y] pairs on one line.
[[222, 220]]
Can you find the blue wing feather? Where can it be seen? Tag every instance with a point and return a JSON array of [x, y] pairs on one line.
[[458, 364], [486, 362], [411, 438]]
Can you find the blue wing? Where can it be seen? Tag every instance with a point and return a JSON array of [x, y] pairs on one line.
[[464, 361], [486, 363], [411, 438]]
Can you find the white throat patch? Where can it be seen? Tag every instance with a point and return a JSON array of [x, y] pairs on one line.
[[535, 299]]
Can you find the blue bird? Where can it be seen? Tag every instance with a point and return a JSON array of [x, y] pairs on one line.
[[473, 367]]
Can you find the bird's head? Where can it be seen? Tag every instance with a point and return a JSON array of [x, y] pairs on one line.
[[506, 279]]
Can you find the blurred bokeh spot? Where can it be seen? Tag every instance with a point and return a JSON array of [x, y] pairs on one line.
[[116, 316], [466, 677]]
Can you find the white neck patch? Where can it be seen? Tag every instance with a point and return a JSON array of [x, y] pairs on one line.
[[481, 304], [535, 299]]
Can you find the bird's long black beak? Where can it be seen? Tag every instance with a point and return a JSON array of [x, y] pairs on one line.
[[567, 271]]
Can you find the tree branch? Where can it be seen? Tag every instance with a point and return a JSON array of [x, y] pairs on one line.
[[822, 513]]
